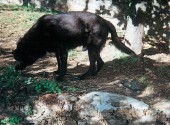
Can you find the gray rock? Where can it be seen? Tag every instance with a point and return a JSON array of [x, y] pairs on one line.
[[133, 85], [82, 123], [95, 108]]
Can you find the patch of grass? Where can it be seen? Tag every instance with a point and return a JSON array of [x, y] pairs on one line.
[[72, 89], [46, 86], [12, 120], [30, 8], [126, 60], [28, 110], [143, 80], [129, 59], [11, 82], [134, 59], [9, 78], [16, 89], [17, 22]]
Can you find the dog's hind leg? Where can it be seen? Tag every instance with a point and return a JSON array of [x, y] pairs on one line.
[[92, 68], [94, 46], [100, 63]]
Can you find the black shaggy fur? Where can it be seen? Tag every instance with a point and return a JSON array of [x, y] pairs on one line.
[[59, 33]]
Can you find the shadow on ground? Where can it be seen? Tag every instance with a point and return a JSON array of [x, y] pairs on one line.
[[109, 79]]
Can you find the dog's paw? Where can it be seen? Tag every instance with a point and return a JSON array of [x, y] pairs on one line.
[[19, 67], [56, 72], [59, 78], [81, 77]]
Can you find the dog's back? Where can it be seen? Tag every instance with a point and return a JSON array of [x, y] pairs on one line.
[[73, 28]]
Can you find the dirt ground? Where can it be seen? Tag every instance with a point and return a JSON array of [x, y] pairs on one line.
[[152, 75]]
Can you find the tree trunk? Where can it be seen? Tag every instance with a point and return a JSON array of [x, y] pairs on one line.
[[135, 27]]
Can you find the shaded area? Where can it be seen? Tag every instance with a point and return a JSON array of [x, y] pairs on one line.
[[157, 16], [155, 20], [6, 57], [118, 69], [110, 79]]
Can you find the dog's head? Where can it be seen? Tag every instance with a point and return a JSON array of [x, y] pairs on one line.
[[23, 55]]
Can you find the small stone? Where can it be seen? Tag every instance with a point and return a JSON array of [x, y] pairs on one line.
[[82, 123], [120, 85], [138, 92], [96, 118], [62, 97], [133, 85], [73, 99], [67, 107]]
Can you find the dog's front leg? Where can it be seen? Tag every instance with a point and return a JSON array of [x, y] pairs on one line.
[[61, 55], [57, 55]]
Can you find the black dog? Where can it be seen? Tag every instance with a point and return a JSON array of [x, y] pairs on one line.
[[59, 33]]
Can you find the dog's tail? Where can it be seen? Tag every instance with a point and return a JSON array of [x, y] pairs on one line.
[[115, 40]]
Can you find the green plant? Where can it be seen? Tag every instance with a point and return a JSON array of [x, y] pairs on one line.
[[28, 81], [72, 89], [9, 77], [129, 59], [46, 86], [29, 8], [124, 59], [12, 82], [9, 84], [28, 110], [143, 80], [20, 19], [134, 59], [12, 120]]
